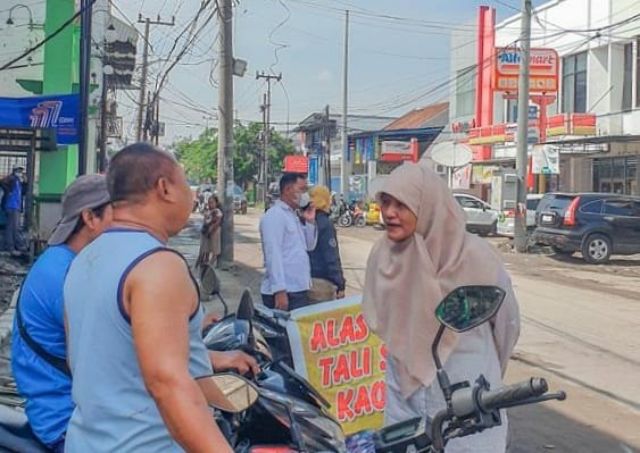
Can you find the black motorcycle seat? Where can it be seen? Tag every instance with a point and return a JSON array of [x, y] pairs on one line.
[[16, 434]]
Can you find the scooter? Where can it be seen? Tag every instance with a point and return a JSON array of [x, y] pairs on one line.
[[471, 408], [289, 415]]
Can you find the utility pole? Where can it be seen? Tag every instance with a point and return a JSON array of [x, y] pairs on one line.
[[145, 63], [85, 79], [267, 129], [344, 163], [102, 160], [520, 233], [262, 179], [327, 143], [225, 133]]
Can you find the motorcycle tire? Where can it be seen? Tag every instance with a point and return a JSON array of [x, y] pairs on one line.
[[345, 221], [361, 222]]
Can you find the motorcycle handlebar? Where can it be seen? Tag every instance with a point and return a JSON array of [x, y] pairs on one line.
[[507, 396]]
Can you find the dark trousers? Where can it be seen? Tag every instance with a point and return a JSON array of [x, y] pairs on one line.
[[12, 237], [296, 300]]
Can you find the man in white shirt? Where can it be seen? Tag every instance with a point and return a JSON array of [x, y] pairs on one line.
[[287, 237]]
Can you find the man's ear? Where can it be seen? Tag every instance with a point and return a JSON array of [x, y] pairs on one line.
[[88, 217], [163, 189]]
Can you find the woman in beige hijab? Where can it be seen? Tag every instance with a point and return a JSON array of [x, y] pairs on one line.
[[425, 255]]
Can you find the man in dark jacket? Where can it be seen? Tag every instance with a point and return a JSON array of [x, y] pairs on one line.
[[326, 266]]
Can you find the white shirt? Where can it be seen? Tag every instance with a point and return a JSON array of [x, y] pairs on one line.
[[285, 243]]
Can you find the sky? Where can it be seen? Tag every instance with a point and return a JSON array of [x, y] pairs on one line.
[[395, 64]]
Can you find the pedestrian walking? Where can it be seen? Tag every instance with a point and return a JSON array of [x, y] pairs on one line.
[[425, 254], [327, 278], [210, 234], [288, 232], [12, 207]]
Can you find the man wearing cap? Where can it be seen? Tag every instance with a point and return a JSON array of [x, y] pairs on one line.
[[38, 354], [12, 207]]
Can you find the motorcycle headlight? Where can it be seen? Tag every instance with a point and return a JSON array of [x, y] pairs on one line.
[[319, 432]]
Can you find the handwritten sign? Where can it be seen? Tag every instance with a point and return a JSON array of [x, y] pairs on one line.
[[336, 351]]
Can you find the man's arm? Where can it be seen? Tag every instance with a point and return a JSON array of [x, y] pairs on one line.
[[328, 241], [160, 298], [272, 231]]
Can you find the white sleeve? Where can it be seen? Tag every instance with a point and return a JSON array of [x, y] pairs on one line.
[[506, 324]]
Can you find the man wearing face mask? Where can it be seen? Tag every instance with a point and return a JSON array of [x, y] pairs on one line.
[[12, 207], [288, 233]]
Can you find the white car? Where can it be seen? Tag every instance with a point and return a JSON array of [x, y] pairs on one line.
[[481, 217], [506, 221]]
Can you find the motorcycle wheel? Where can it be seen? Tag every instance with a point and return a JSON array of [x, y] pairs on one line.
[[345, 221], [361, 222]]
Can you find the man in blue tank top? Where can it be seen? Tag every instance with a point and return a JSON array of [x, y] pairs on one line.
[[38, 347], [134, 321]]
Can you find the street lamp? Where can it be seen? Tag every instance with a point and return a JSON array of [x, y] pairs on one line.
[[20, 5]]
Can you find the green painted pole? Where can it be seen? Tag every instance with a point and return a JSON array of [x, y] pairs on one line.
[[61, 61]]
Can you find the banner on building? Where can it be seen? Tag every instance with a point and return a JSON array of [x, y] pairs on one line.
[[546, 160], [336, 352], [60, 112], [482, 174], [461, 179], [312, 178]]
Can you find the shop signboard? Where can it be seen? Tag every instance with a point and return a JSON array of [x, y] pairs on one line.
[[544, 70]]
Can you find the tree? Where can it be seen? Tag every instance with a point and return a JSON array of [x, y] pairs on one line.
[[200, 156]]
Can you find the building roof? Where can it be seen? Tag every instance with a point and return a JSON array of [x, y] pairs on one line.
[[355, 123], [431, 115]]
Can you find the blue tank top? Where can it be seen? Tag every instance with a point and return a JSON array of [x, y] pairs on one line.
[[114, 411]]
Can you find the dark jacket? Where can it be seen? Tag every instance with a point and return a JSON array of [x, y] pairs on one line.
[[325, 258]]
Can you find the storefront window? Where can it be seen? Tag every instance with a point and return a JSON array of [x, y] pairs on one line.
[[627, 83], [615, 175], [574, 83], [465, 91]]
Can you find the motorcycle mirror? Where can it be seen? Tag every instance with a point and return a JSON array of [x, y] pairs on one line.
[[463, 309], [245, 309], [468, 307], [228, 392], [209, 281]]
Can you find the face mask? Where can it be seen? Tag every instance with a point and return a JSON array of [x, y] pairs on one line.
[[304, 201]]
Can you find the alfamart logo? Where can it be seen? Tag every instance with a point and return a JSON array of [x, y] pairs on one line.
[[46, 114]]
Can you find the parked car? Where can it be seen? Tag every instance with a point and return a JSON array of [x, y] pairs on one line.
[[481, 217], [595, 224], [507, 218]]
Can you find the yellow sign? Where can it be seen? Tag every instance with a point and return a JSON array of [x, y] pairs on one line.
[[334, 349]]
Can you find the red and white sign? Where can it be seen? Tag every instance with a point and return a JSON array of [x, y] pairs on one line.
[[296, 164], [544, 68], [395, 151]]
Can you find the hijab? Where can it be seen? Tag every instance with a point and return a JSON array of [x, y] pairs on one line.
[[405, 281], [321, 197]]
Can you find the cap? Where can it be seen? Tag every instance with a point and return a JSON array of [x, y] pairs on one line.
[[86, 192]]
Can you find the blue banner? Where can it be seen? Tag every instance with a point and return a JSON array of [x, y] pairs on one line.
[[313, 170], [60, 112]]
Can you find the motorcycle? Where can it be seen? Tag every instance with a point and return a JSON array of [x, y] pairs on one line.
[[235, 396], [470, 408], [289, 413], [352, 215]]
